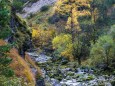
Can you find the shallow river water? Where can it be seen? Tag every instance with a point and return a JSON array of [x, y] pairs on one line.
[[55, 74]]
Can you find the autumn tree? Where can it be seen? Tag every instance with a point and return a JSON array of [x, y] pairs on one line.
[[42, 38], [63, 46], [73, 9]]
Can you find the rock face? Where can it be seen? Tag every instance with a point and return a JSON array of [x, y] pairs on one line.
[[21, 34], [35, 7]]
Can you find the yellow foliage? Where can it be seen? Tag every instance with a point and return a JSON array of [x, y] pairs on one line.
[[68, 52], [34, 32], [61, 40], [42, 37], [63, 45], [74, 9], [68, 26], [65, 6]]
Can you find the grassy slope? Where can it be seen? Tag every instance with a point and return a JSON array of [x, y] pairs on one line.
[[20, 66], [32, 63]]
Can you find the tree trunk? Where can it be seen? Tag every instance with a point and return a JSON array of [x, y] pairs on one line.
[[79, 60]]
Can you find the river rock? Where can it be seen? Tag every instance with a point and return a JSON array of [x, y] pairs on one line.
[[40, 82]]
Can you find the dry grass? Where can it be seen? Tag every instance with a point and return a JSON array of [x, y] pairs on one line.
[[2, 43], [29, 60], [20, 66]]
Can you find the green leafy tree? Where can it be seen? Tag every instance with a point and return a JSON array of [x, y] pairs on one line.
[[4, 19], [103, 51], [4, 13], [100, 18], [5, 61], [112, 32], [18, 4]]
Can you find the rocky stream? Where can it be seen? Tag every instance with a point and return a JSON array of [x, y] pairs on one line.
[[56, 73]]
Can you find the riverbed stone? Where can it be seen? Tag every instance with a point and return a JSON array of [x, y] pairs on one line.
[[40, 82], [64, 75]]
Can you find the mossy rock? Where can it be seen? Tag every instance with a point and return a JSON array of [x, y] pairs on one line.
[[106, 76], [45, 8], [49, 68], [51, 75], [84, 67], [80, 80], [23, 22], [63, 66], [113, 83], [70, 74], [5, 32], [89, 78], [47, 84], [113, 72], [72, 65], [101, 84], [76, 76], [59, 77]]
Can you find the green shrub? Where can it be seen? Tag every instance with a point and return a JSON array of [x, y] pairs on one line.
[[31, 15], [5, 60], [18, 4], [4, 33], [4, 13], [53, 19], [8, 72], [103, 50], [14, 81], [89, 78], [44, 8], [112, 32]]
